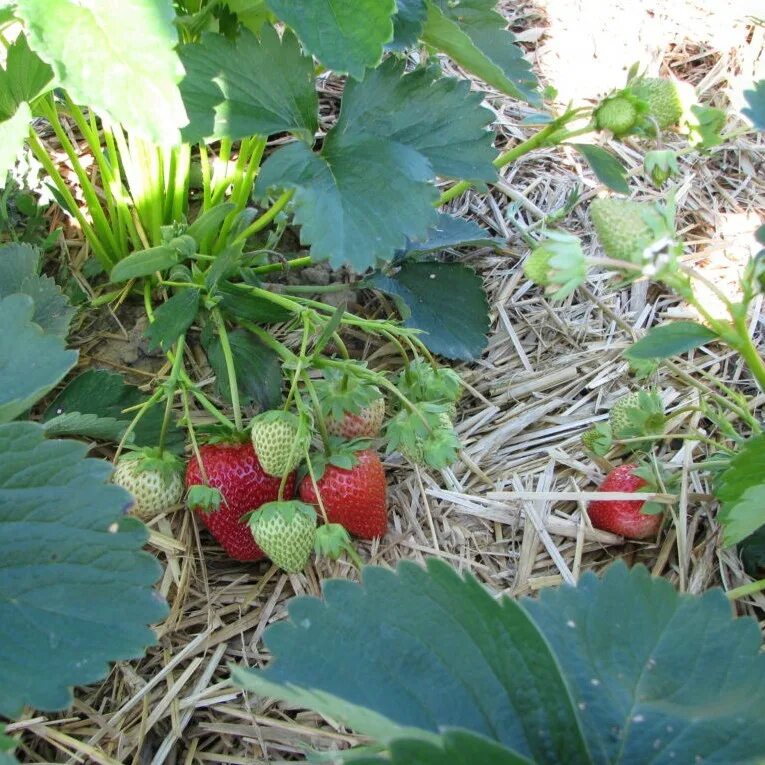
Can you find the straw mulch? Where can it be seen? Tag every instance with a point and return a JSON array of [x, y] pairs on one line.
[[510, 511]]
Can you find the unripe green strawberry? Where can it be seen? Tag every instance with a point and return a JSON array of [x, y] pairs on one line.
[[618, 417], [154, 480], [537, 266], [617, 114], [622, 228], [280, 441], [639, 413], [285, 531], [663, 97]]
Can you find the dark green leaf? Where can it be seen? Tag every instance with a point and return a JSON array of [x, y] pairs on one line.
[[240, 304], [226, 264], [408, 23], [437, 116], [117, 57], [105, 394], [752, 551], [444, 654], [345, 35], [173, 318], [452, 232], [19, 273], [375, 194], [77, 587], [145, 263], [86, 426], [606, 167], [475, 36], [209, 222], [445, 300], [756, 100], [670, 339], [759, 235], [257, 367], [31, 362], [248, 87], [657, 676], [329, 329], [741, 492]]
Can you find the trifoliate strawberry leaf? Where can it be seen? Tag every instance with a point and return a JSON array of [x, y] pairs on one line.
[[670, 340], [257, 367], [741, 492], [131, 47], [376, 194], [31, 362], [437, 116], [19, 273], [408, 23], [449, 231], [105, 395], [605, 165], [252, 86], [345, 35], [173, 318], [475, 36], [77, 587], [572, 677], [445, 300], [756, 109]]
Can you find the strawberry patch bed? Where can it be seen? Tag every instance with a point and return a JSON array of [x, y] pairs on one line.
[[419, 398]]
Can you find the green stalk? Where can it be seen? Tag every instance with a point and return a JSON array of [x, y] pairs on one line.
[[746, 589], [220, 179], [204, 164], [749, 353], [261, 222], [286, 266], [225, 345], [170, 388]]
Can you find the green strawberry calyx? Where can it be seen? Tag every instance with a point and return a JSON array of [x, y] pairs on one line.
[[332, 540], [423, 382], [425, 435], [341, 393], [660, 165], [286, 510], [341, 453], [637, 415], [168, 465], [204, 498], [557, 263]]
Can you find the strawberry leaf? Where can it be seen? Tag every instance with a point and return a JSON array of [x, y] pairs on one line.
[[445, 300], [345, 35], [72, 566], [756, 100], [449, 231], [173, 318], [571, 677], [752, 550], [741, 492], [407, 23], [253, 86], [670, 340], [14, 129], [605, 165]]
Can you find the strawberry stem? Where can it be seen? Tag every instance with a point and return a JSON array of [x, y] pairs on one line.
[[228, 357]]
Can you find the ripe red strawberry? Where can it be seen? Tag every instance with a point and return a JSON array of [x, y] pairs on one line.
[[355, 497], [234, 470], [623, 516]]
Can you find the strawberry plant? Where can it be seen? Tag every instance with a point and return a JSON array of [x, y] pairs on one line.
[[617, 669]]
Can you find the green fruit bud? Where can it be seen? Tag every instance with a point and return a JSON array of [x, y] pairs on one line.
[[664, 99], [617, 114]]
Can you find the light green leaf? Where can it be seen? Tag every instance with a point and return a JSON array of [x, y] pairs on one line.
[[408, 23], [173, 318], [28, 76], [670, 339], [657, 676], [87, 426], [13, 133], [606, 167], [375, 193], [31, 362], [445, 300], [119, 58], [425, 650], [145, 263], [345, 35], [19, 273], [474, 35], [76, 586], [209, 222], [257, 367], [252, 14], [741, 492], [437, 116], [252, 86]]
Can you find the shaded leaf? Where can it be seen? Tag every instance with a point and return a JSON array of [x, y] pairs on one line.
[[741, 492], [752, 551], [606, 167], [209, 222], [475, 36], [77, 587], [345, 35], [86, 425], [445, 300], [31, 362], [130, 45], [253, 86], [408, 23], [145, 263], [437, 116], [671, 678], [756, 109], [376, 193], [173, 318], [670, 339], [105, 395], [449, 231], [19, 273], [258, 369]]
